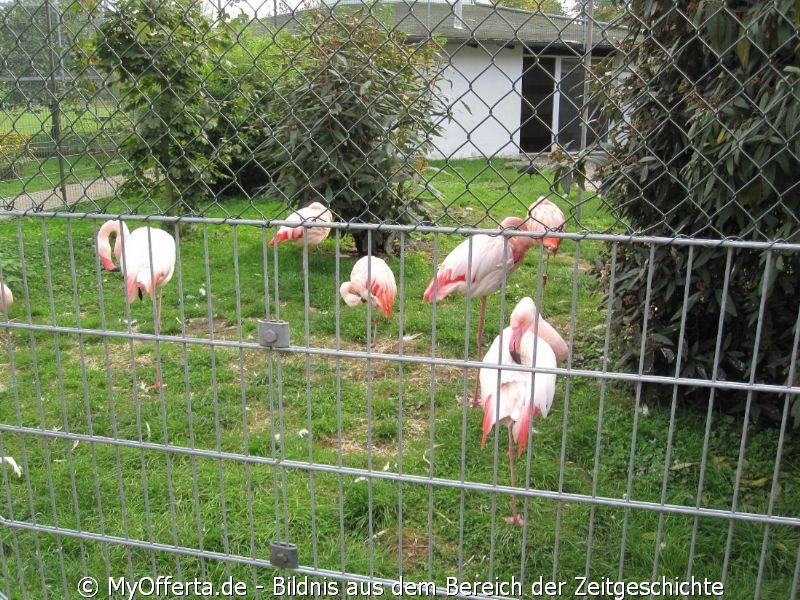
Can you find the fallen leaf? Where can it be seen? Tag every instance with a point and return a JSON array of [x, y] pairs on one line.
[[754, 483], [682, 466]]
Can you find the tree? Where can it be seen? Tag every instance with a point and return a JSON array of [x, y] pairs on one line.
[[553, 7], [35, 43], [361, 109], [605, 11], [242, 85], [707, 115], [159, 55]]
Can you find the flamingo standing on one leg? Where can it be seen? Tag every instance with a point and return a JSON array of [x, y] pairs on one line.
[[511, 398], [371, 279], [545, 216], [147, 260], [6, 297], [316, 212]]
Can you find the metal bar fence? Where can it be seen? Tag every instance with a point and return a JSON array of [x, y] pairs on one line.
[[248, 433]]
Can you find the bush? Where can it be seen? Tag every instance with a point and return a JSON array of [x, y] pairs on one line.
[[708, 144], [13, 154], [361, 109], [159, 55], [242, 85]]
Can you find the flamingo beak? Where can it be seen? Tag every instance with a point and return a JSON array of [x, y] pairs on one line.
[[513, 345], [551, 243]]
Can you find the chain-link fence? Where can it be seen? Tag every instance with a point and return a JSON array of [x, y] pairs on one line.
[[253, 428]]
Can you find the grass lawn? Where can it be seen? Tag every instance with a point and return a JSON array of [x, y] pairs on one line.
[[33, 122], [44, 174], [318, 412]]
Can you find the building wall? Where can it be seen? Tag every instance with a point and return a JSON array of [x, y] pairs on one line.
[[492, 91]]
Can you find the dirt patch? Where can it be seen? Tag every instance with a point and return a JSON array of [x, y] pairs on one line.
[[258, 419], [354, 439], [119, 355], [200, 327], [381, 448], [414, 546]]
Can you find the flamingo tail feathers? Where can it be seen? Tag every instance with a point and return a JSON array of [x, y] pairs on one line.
[[384, 297], [522, 432], [443, 282], [131, 286]]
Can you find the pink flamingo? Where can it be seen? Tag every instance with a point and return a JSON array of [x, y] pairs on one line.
[[371, 279], [511, 398], [6, 297], [147, 260], [316, 212], [545, 216], [490, 264]]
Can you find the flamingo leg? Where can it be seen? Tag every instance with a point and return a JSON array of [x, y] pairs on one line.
[[158, 384], [475, 401], [515, 518], [481, 319], [375, 332]]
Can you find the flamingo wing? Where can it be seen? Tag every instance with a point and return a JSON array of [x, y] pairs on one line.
[[488, 263], [371, 278], [149, 260], [313, 212], [520, 395]]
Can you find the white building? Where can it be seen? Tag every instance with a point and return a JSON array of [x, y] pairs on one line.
[[514, 78]]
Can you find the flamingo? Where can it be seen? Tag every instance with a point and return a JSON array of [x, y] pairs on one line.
[[511, 398], [489, 266], [545, 216], [316, 212], [371, 279], [6, 297], [147, 261]]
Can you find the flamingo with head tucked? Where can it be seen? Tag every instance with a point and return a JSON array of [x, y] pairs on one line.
[[146, 258], [545, 216], [316, 212], [512, 398], [371, 280]]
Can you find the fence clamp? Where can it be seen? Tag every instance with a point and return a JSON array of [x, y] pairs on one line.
[[273, 334], [283, 555]]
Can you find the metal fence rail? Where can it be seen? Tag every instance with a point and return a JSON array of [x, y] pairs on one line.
[[346, 460]]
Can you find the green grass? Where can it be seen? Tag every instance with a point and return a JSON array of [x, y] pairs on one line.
[[33, 122], [359, 413], [44, 174]]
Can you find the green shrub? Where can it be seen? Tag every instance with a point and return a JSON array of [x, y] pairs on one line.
[[158, 55], [13, 154], [242, 85], [361, 109], [709, 116]]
